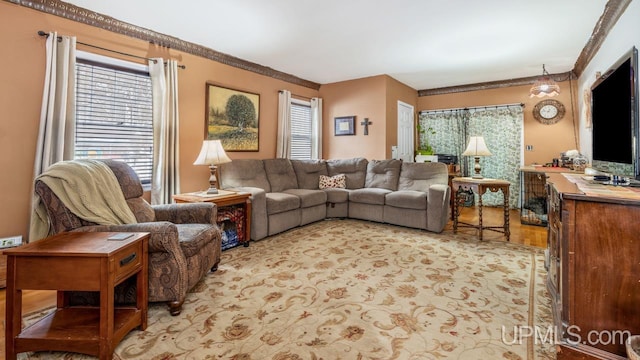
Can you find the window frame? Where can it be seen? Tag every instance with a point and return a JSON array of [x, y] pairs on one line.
[[92, 59], [309, 135]]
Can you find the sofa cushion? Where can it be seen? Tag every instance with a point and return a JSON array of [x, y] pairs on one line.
[[419, 176], [309, 198], [278, 202], [383, 174], [337, 181], [308, 172], [336, 195], [244, 173], [280, 174], [373, 196], [354, 169], [407, 199]]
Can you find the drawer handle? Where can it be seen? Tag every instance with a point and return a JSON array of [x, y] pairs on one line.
[[128, 259]]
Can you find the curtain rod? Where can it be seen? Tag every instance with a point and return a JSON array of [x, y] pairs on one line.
[[299, 96], [473, 108], [42, 33]]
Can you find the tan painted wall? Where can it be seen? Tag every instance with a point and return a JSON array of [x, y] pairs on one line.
[[364, 98], [548, 141], [22, 63], [375, 98]]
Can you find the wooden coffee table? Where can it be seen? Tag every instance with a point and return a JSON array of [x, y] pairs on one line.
[[224, 199], [76, 261]]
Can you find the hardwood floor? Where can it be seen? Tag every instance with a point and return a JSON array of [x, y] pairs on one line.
[[493, 216], [520, 234]]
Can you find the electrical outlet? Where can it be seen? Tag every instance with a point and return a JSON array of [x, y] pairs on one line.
[[529, 147], [10, 241]]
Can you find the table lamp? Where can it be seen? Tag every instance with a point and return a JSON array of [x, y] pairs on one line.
[[476, 148], [212, 154]]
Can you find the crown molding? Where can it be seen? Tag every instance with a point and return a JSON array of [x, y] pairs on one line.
[[494, 84], [612, 12], [81, 15]]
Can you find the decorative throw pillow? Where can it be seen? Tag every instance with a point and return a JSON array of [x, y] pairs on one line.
[[336, 181]]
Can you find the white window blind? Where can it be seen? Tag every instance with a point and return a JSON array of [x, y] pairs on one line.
[[114, 115], [300, 130]]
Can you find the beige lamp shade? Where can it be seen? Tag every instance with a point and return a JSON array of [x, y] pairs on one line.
[[212, 154], [476, 148]]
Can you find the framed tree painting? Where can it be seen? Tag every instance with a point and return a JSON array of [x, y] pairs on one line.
[[232, 116]]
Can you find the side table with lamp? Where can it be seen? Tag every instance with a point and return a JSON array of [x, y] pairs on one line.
[[479, 185], [233, 207]]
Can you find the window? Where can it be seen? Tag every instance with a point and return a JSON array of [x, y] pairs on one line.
[[300, 130], [114, 112]]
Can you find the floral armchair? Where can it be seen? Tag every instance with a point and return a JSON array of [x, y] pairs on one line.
[[185, 241]]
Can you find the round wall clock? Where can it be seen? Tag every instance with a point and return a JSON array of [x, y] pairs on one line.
[[548, 111]]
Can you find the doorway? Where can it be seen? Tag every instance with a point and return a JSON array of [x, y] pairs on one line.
[[406, 130]]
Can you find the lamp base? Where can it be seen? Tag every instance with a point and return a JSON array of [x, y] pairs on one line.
[[476, 168], [213, 180]]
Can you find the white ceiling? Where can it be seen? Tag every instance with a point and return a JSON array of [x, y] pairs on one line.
[[422, 43]]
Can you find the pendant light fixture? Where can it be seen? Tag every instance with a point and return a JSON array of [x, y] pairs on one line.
[[544, 86]]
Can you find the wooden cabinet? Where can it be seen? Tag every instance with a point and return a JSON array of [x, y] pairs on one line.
[[594, 269], [3, 270], [553, 251]]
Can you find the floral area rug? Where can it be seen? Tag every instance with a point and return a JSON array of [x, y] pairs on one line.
[[349, 289]]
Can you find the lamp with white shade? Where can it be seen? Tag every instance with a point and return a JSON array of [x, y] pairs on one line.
[[212, 154], [476, 148]]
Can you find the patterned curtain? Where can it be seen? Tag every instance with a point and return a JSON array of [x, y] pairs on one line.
[[445, 131], [501, 128]]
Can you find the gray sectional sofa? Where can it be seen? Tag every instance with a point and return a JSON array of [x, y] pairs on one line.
[[287, 193]]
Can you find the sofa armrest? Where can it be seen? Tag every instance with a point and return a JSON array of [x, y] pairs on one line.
[[259, 220], [163, 234], [187, 213], [438, 197]]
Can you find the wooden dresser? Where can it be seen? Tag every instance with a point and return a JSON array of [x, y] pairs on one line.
[[594, 266]]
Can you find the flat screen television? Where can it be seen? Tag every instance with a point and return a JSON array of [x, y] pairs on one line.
[[614, 111]]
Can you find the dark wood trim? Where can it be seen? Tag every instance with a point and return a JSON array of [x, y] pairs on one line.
[[492, 84], [612, 12], [78, 14]]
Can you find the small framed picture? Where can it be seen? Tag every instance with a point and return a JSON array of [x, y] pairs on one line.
[[345, 125]]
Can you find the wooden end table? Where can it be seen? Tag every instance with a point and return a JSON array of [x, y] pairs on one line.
[[224, 198], [76, 261], [480, 186]]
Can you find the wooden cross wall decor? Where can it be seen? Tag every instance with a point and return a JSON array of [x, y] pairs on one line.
[[366, 124]]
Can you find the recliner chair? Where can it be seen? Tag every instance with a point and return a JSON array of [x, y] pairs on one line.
[[185, 241]]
